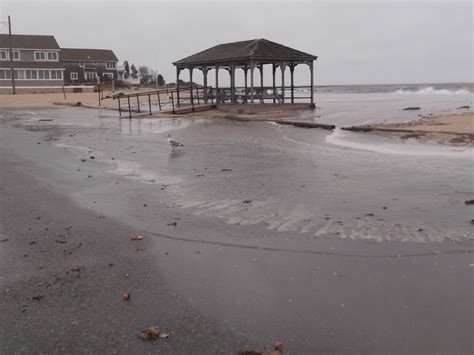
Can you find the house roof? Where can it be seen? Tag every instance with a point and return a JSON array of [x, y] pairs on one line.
[[29, 42], [83, 54], [256, 49]]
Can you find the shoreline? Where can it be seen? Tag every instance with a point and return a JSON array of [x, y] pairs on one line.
[[452, 129]]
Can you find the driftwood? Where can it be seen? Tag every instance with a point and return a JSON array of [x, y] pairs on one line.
[[400, 130], [307, 124]]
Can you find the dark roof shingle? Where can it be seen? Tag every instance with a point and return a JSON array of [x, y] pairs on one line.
[[76, 54], [257, 49], [29, 42]]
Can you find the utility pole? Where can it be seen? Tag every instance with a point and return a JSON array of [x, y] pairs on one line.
[[11, 55]]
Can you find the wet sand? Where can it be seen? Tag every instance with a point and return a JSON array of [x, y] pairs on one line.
[[457, 129], [278, 236]]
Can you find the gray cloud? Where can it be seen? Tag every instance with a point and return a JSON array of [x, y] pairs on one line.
[[357, 42]]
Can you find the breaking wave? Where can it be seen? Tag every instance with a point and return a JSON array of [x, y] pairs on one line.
[[432, 91]]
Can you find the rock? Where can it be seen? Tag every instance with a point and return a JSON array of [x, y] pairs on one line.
[[92, 157], [469, 202], [412, 108], [173, 224], [247, 201], [466, 107]]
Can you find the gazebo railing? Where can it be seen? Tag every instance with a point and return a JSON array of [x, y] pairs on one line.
[[243, 95]]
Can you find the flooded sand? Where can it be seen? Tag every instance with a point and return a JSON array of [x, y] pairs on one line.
[[330, 243]]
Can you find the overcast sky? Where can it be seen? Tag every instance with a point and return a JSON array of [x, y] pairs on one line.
[[358, 42]]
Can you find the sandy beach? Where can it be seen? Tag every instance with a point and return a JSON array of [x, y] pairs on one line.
[[456, 129], [86, 99]]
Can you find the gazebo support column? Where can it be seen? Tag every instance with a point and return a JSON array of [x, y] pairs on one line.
[[178, 70], [282, 67], [261, 82], [251, 85], [245, 69], [312, 82], [191, 97], [232, 85], [217, 84], [274, 82], [204, 72], [292, 70]]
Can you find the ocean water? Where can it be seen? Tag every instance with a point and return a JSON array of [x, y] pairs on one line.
[[419, 89]]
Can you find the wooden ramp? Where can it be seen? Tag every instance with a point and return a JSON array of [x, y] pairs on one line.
[[190, 109]]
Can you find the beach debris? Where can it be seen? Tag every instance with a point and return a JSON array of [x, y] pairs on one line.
[[411, 108], [369, 214], [4, 240], [249, 352], [466, 107], [225, 169], [173, 224], [138, 237], [77, 269], [45, 119], [247, 201], [126, 296], [472, 221], [152, 333], [37, 297], [92, 157], [277, 350], [469, 202]]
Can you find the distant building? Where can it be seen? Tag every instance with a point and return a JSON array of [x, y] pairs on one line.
[[36, 61], [86, 66]]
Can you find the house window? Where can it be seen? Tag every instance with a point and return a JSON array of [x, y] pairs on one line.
[[110, 65], [52, 56], [82, 64], [59, 74], [40, 56], [53, 74], [5, 55], [90, 76], [108, 75], [74, 76]]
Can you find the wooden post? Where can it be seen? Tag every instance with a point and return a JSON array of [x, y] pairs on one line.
[[138, 104], [232, 83], [274, 82], [282, 67], [159, 101], [149, 103], [245, 83], [129, 109], [261, 82], [11, 55], [312, 81], [172, 101], [217, 84], [191, 87], [252, 66], [204, 72], [177, 85], [120, 107], [292, 69]]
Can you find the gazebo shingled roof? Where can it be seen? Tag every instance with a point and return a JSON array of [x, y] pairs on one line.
[[247, 55], [256, 49]]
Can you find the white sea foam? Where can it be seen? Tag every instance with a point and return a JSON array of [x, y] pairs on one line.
[[344, 139], [432, 91]]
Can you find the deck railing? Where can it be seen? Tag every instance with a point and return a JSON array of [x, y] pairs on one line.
[[175, 97]]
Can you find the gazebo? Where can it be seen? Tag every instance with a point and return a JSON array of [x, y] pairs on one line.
[[248, 55]]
